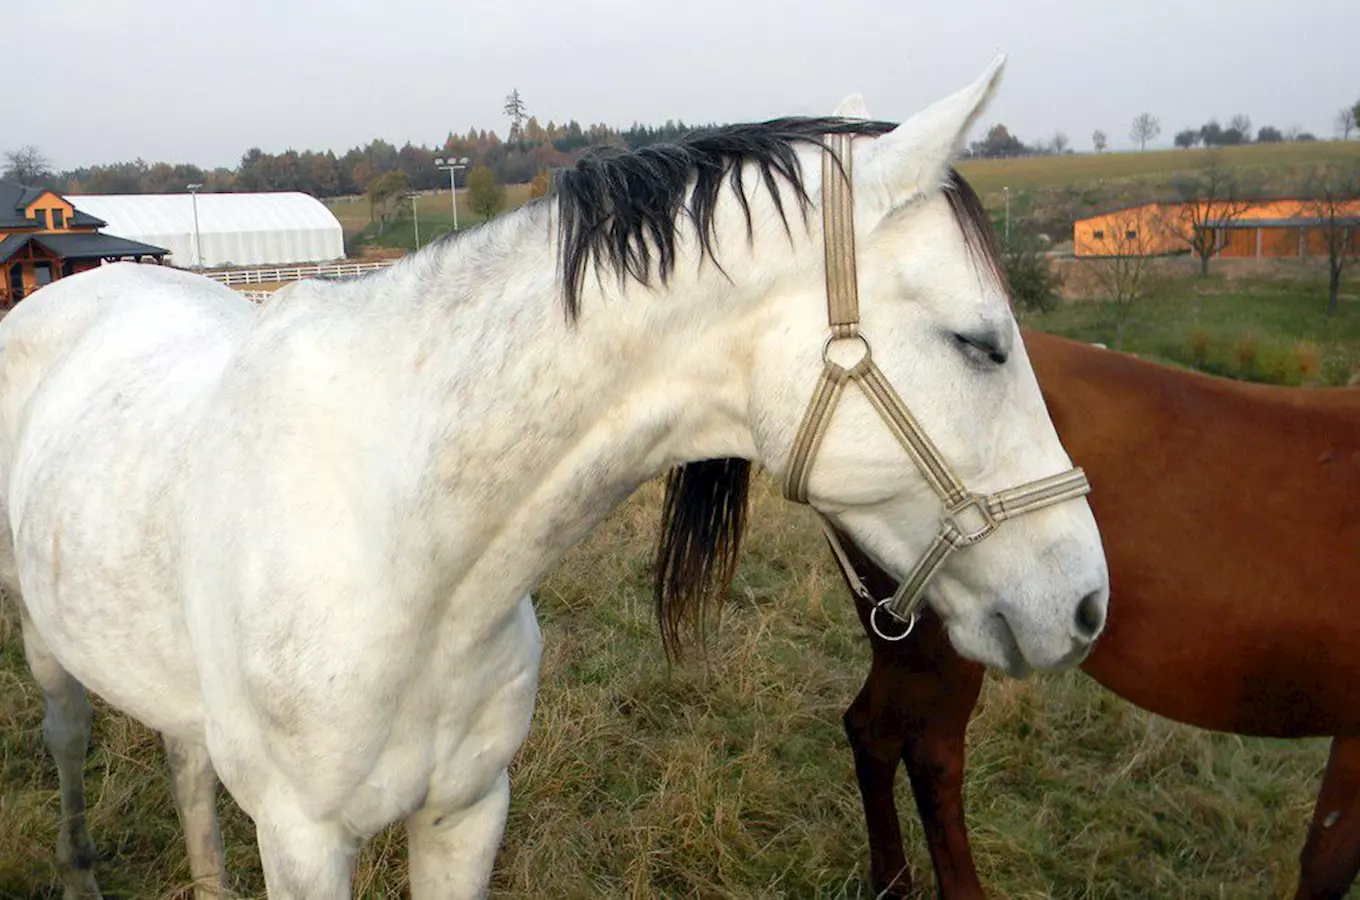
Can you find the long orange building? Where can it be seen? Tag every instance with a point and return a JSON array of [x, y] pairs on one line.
[[1281, 228]]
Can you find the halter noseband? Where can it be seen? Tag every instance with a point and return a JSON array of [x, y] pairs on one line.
[[969, 517]]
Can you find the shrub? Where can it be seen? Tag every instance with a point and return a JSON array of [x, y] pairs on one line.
[[1306, 363], [1245, 349], [1199, 342]]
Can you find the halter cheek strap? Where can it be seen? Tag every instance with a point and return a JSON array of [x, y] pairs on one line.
[[969, 517]]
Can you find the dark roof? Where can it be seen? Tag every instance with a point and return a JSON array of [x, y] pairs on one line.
[[1350, 221], [95, 246], [79, 246], [1165, 200], [12, 245], [14, 200]]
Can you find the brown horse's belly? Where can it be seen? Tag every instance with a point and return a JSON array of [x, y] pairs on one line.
[[1283, 678]]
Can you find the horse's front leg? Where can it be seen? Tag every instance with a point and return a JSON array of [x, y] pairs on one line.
[[194, 785], [452, 851]]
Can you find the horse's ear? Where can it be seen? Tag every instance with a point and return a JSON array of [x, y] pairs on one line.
[[852, 107], [914, 158]]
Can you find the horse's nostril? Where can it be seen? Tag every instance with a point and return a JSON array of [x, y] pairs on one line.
[[1090, 616]]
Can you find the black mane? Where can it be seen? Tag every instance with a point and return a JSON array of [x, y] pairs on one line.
[[620, 207]]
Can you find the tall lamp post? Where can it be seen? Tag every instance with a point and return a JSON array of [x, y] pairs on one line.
[[198, 247], [452, 165], [415, 214], [1008, 213]]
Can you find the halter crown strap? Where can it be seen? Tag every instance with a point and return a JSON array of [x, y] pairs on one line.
[[969, 517]]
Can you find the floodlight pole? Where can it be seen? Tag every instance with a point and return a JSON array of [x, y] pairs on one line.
[[1008, 213], [452, 165], [198, 246], [415, 214]]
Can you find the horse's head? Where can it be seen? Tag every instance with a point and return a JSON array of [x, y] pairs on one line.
[[925, 296]]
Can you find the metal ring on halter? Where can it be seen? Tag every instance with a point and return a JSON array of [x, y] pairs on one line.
[[873, 621], [826, 350]]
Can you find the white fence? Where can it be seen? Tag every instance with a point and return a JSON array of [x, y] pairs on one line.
[[296, 273]]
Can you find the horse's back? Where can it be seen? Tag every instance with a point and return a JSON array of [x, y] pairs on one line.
[[1231, 516], [103, 377]]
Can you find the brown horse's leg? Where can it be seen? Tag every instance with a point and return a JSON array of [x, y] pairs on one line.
[[914, 708], [1331, 855], [940, 689], [876, 740]]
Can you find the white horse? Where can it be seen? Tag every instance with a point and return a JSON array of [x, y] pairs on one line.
[[299, 541]]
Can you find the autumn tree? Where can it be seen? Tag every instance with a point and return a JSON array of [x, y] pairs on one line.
[[1332, 202], [539, 186], [485, 194], [1211, 199], [1145, 127], [385, 195]]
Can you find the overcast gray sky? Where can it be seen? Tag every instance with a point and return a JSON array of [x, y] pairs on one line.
[[98, 81]]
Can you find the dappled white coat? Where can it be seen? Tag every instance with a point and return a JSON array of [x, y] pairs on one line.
[[299, 541]]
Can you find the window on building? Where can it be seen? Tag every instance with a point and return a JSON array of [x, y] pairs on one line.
[[58, 218], [40, 216], [1131, 235], [42, 273], [1098, 234]]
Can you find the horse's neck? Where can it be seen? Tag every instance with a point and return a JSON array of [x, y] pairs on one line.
[[528, 430]]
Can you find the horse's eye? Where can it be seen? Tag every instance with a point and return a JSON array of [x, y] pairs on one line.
[[983, 346]]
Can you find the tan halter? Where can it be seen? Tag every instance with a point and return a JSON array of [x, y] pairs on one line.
[[968, 517]]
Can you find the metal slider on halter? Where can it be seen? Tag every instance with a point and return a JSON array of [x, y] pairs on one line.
[[968, 517]]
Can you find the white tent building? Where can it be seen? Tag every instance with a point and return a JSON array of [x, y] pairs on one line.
[[245, 229]]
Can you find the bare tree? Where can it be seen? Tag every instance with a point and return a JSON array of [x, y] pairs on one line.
[[1241, 123], [1145, 128], [1122, 273], [1211, 199], [27, 166], [1345, 122], [1333, 205], [1099, 140], [1059, 143]]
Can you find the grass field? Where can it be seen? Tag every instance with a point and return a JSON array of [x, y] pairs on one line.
[[1271, 163], [1274, 314], [434, 212], [731, 777]]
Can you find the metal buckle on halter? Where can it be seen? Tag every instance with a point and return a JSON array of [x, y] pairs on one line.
[[882, 605], [958, 522], [858, 364]]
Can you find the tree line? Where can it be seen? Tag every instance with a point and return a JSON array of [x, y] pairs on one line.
[[531, 148]]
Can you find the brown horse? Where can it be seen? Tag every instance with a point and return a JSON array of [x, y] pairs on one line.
[[1230, 512]]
